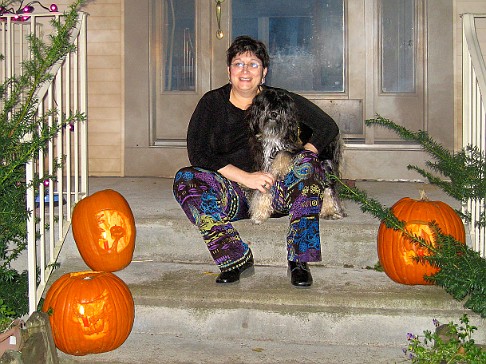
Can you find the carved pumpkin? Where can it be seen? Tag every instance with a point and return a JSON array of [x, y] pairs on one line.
[[90, 312], [104, 231], [397, 252]]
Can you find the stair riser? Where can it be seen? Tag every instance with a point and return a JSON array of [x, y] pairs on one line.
[[175, 241], [350, 328]]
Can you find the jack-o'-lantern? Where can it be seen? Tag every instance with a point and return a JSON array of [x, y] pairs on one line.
[[89, 312], [104, 231], [398, 254]]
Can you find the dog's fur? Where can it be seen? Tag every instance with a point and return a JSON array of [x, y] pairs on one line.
[[274, 140]]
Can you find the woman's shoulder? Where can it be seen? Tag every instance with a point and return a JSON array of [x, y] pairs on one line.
[[219, 93], [296, 97]]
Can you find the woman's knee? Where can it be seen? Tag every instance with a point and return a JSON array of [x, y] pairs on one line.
[[307, 165], [186, 178]]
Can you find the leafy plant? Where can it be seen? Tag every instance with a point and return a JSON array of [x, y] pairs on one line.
[[450, 344], [6, 314], [22, 135]]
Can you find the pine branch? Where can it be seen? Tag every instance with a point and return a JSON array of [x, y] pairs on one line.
[[462, 270], [464, 169]]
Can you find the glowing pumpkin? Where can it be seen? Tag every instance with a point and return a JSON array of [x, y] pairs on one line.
[[397, 252], [104, 231], [90, 312]]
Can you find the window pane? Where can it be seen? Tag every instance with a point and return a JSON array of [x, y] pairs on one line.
[[398, 46], [178, 45], [305, 40]]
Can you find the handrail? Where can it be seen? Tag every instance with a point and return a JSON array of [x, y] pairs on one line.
[[472, 43], [474, 117], [50, 202]]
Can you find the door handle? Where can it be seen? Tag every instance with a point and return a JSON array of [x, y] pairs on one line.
[[219, 32]]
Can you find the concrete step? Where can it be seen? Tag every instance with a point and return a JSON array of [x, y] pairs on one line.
[[350, 315], [165, 234]]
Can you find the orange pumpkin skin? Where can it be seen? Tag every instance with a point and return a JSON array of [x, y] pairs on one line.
[[104, 231], [396, 252], [89, 312]]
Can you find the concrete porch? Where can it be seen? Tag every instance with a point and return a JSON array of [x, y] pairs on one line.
[[352, 314]]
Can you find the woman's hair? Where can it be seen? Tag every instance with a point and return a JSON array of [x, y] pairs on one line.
[[244, 44]]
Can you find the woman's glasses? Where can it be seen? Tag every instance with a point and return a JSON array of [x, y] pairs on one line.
[[252, 66]]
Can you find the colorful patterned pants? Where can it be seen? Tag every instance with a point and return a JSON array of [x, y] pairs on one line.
[[212, 203]]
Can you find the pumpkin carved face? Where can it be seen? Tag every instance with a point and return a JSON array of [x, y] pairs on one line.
[[104, 231], [397, 253], [90, 312], [90, 316]]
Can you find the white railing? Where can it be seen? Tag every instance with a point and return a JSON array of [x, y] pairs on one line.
[[474, 114], [62, 167]]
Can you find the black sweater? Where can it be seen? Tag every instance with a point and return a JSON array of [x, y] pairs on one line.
[[218, 133]]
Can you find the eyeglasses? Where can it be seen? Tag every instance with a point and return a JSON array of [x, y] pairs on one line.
[[252, 66]]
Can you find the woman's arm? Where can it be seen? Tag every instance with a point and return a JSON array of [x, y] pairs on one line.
[[256, 180], [321, 128], [200, 132]]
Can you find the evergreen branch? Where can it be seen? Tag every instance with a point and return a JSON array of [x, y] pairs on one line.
[[465, 169], [23, 134], [462, 271], [368, 204], [421, 137]]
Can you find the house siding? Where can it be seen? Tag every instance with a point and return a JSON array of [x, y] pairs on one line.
[[105, 86]]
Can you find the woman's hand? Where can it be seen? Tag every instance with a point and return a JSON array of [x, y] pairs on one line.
[[311, 147], [260, 181]]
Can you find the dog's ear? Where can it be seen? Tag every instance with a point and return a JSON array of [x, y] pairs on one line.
[[252, 116]]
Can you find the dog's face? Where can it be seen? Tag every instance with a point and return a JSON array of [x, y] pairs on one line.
[[272, 115]]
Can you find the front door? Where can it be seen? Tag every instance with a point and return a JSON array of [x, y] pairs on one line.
[[353, 58]]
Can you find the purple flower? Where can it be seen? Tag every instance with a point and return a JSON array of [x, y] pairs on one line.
[[410, 336], [436, 322]]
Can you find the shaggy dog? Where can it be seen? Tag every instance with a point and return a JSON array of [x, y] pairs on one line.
[[275, 139]]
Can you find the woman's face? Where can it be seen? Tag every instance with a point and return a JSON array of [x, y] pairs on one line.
[[246, 72]]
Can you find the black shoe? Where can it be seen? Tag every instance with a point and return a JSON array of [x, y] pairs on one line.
[[300, 275], [233, 275]]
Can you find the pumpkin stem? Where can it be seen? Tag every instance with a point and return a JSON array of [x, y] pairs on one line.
[[423, 196]]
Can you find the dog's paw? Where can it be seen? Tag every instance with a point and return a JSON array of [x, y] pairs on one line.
[[327, 215], [258, 217], [256, 221], [260, 207], [331, 206]]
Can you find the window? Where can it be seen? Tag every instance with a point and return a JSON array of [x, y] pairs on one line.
[[305, 40], [398, 26], [178, 45]]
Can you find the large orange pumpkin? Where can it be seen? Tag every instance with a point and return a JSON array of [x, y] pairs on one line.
[[104, 231], [90, 312], [397, 252]]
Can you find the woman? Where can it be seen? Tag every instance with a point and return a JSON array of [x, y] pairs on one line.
[[212, 191]]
